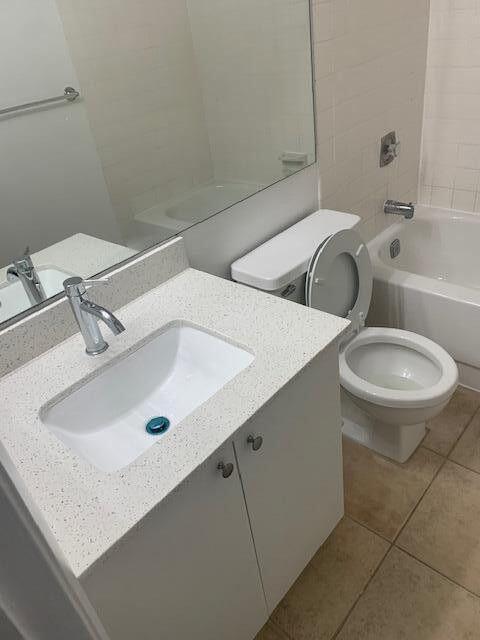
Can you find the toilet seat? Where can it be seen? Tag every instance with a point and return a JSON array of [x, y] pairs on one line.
[[435, 373], [339, 278]]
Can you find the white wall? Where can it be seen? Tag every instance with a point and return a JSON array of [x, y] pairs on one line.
[[254, 60], [51, 182], [370, 70], [215, 243], [136, 66], [370, 60], [450, 170]]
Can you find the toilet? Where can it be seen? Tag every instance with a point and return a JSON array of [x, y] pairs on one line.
[[392, 381]]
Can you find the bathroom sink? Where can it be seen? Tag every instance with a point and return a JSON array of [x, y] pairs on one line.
[[105, 421], [13, 298]]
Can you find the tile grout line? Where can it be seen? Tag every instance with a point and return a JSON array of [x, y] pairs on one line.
[[428, 566], [393, 543], [462, 466], [365, 526], [410, 515], [445, 460], [367, 584], [469, 422], [279, 629]]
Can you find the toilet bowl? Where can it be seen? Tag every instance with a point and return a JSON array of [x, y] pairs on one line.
[[392, 381]]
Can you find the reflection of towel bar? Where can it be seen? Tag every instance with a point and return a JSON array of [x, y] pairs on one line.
[[70, 94]]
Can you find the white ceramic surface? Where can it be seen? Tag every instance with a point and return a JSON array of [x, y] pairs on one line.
[[170, 376], [433, 286], [397, 369], [286, 256], [13, 298], [376, 365], [393, 381]]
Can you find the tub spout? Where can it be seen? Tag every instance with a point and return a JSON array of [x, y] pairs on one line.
[[399, 208]]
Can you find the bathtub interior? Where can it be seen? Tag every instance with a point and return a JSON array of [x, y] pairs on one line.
[[437, 244]]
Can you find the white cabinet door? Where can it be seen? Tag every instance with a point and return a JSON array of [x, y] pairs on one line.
[[189, 570], [293, 484]]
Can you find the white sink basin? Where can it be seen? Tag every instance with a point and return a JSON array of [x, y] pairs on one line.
[[105, 420], [13, 298]]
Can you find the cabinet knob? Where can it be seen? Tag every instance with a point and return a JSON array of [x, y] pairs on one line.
[[226, 468], [255, 441]]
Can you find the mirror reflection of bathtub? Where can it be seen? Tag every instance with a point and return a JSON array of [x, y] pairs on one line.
[[198, 204], [432, 286]]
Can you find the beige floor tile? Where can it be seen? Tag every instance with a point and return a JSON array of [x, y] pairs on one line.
[[321, 598], [445, 429], [408, 601], [467, 450], [444, 531], [381, 493], [269, 632]]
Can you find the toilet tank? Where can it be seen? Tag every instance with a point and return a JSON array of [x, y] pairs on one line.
[[280, 265]]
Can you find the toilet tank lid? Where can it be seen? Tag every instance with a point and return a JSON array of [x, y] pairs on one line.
[[286, 256]]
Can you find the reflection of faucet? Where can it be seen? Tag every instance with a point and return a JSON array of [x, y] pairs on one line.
[[400, 208], [23, 270], [87, 314]]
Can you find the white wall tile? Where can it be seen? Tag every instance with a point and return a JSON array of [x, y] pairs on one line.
[[451, 134], [375, 60]]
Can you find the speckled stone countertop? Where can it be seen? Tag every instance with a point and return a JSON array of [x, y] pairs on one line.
[[79, 254], [88, 510]]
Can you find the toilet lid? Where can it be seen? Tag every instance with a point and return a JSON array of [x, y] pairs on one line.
[[339, 278]]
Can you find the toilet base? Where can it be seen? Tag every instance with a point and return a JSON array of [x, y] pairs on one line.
[[393, 441]]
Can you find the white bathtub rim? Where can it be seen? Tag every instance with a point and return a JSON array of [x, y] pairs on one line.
[[390, 275]]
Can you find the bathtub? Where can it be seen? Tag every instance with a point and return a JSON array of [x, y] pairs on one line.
[[432, 286], [197, 205]]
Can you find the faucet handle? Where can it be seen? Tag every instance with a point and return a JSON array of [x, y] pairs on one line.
[[77, 286]]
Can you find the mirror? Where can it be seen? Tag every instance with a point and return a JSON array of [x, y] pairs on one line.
[[148, 118]]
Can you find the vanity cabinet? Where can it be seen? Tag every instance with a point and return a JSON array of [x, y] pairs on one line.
[[215, 557], [289, 459], [189, 569]]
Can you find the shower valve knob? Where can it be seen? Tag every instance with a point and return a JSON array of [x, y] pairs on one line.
[[394, 149]]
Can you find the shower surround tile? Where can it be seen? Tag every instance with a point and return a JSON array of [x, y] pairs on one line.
[[370, 61], [451, 134]]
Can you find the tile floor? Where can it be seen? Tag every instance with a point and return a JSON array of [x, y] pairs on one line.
[[404, 563]]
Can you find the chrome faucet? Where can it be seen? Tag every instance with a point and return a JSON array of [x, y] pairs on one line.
[[22, 270], [400, 208], [87, 314]]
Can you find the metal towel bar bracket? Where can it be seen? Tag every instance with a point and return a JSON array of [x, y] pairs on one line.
[[69, 94]]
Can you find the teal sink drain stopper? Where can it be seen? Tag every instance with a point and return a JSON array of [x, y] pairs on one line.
[[157, 426]]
